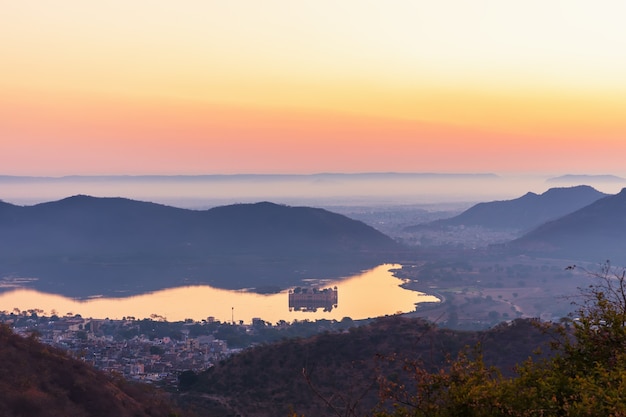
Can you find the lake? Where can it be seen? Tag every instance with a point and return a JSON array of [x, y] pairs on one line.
[[373, 293]]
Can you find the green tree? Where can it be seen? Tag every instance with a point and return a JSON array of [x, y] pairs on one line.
[[585, 375], [465, 388]]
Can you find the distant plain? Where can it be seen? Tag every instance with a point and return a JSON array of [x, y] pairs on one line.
[[478, 288], [320, 190]]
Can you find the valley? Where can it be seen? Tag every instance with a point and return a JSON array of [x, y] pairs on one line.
[[312, 209], [467, 255], [199, 301], [478, 293]]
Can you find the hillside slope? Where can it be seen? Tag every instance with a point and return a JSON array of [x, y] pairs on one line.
[[83, 245], [594, 233], [522, 213], [290, 377], [40, 381]]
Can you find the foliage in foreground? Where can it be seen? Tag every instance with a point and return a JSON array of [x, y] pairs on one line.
[[340, 370], [586, 375]]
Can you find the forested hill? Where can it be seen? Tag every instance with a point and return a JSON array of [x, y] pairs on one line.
[[84, 245], [295, 376], [41, 381], [525, 212], [595, 233]]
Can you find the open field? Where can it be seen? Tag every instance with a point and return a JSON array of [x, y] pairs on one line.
[[478, 293]]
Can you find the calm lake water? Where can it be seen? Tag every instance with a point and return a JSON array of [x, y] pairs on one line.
[[370, 294]]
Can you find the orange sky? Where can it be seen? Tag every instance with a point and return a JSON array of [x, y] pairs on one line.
[[152, 87]]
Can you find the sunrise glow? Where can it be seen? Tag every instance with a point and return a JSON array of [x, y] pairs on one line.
[[149, 87]]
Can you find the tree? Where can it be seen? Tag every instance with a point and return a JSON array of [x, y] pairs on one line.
[[156, 350], [464, 388], [186, 379], [600, 328], [585, 375]]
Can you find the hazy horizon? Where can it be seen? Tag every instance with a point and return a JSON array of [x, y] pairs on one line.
[[324, 189], [392, 119]]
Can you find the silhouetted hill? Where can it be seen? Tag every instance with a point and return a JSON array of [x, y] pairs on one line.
[[343, 367], [522, 213], [6, 208], [84, 245], [37, 380], [596, 233]]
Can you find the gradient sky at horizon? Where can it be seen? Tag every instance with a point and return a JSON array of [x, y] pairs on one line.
[[200, 87]]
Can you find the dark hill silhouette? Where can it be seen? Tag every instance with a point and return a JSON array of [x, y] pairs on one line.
[[595, 233], [6, 208], [268, 380], [522, 213], [84, 245], [41, 381]]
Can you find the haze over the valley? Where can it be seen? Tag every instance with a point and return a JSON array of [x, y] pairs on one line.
[[435, 190], [312, 208]]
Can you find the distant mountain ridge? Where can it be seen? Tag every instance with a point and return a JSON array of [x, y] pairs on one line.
[[578, 178], [82, 245], [522, 213], [595, 233]]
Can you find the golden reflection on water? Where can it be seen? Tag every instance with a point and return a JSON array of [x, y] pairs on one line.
[[370, 294]]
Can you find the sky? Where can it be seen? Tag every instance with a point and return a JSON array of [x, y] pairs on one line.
[[283, 86]]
